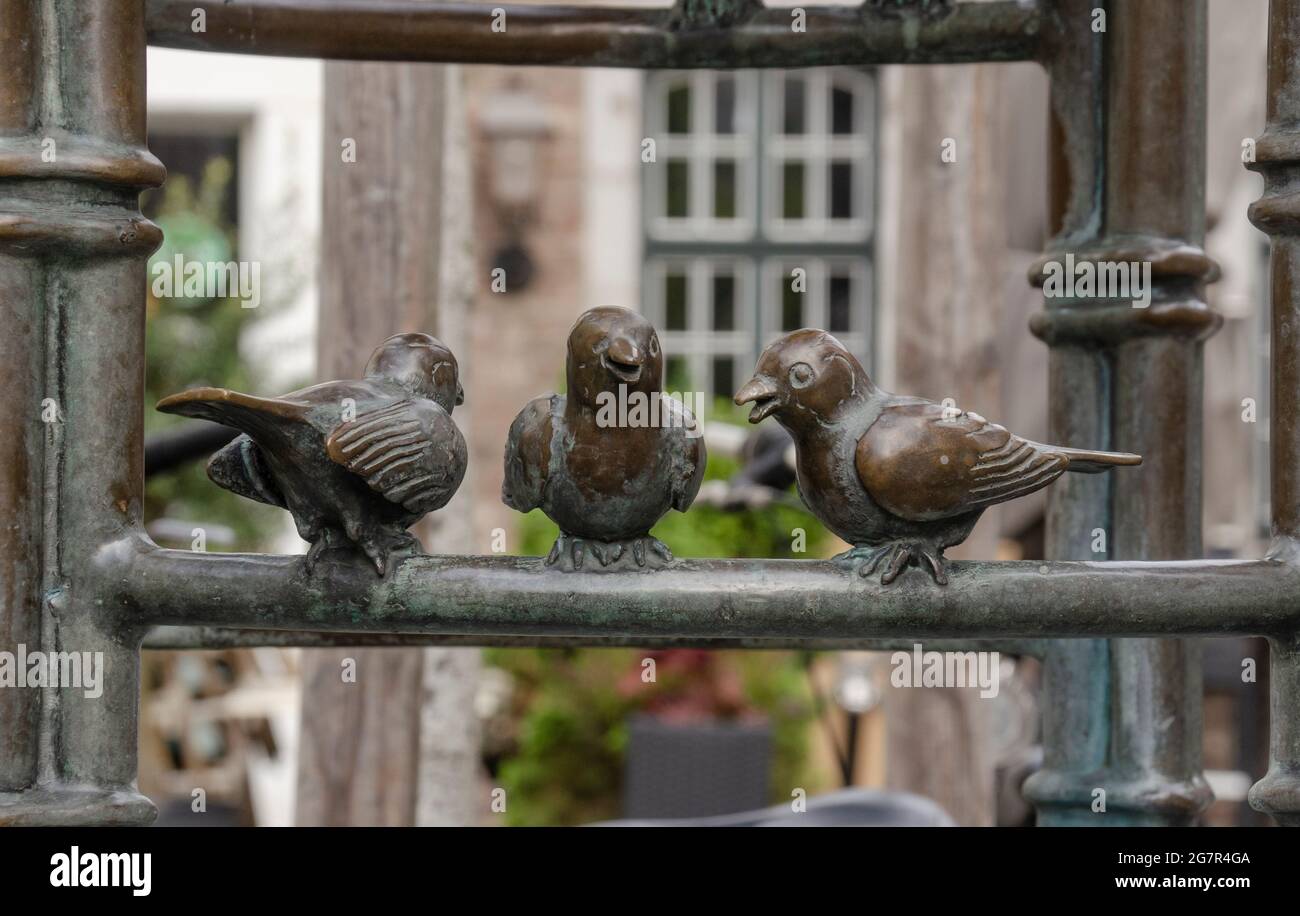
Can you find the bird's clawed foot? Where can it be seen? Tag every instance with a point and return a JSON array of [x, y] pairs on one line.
[[896, 557], [326, 539], [570, 553], [384, 549]]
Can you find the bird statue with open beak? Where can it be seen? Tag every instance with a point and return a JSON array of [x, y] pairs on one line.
[[356, 463], [899, 478], [606, 461]]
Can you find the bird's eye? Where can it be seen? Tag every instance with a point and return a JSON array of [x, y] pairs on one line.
[[654, 345], [801, 375]]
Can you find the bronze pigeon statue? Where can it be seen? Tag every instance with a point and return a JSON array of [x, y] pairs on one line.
[[899, 478], [609, 459], [354, 462]]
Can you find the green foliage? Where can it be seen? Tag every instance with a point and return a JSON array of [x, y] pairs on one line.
[[573, 706], [571, 734], [196, 342]]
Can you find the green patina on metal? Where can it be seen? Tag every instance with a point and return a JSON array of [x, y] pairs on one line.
[[712, 14], [723, 34], [77, 572], [735, 599]]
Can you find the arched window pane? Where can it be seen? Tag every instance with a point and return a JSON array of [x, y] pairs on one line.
[[840, 189], [679, 188], [724, 302], [724, 372], [841, 111], [679, 110], [675, 308], [724, 106], [840, 304], [791, 305], [724, 189], [793, 120], [792, 195]]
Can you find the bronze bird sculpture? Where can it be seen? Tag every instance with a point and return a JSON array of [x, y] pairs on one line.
[[356, 463], [609, 459], [899, 478]]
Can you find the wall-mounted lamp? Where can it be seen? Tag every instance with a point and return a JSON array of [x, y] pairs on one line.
[[515, 125]]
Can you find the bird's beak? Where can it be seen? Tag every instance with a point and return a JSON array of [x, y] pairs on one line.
[[460, 394], [763, 392], [624, 359]]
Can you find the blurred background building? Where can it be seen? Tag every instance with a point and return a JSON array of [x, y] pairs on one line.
[[899, 208]]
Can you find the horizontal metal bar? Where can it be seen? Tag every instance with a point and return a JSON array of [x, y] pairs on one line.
[[414, 30], [74, 806], [730, 599], [219, 638]]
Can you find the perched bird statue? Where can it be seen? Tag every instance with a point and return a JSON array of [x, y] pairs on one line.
[[899, 478], [356, 463], [609, 459]]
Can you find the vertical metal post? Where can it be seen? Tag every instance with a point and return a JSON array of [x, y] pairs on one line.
[[1075, 672], [1126, 747], [1277, 212], [72, 285], [21, 439], [1155, 195]]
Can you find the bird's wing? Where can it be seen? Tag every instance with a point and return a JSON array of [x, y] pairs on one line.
[[689, 456], [528, 456], [922, 461], [409, 452], [259, 417], [240, 468]]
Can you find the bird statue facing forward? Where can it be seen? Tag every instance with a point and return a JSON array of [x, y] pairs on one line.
[[899, 478], [356, 463], [609, 459]]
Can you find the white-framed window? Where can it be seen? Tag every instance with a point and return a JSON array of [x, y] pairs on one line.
[[817, 155], [703, 124], [701, 306], [827, 293], [759, 211]]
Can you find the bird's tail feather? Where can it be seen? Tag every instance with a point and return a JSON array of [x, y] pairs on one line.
[[1085, 461], [244, 412]]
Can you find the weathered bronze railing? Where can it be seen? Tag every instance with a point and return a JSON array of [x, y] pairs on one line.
[[714, 33], [1128, 151]]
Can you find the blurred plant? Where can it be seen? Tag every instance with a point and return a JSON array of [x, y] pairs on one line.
[[567, 760], [690, 686], [573, 705], [195, 341]]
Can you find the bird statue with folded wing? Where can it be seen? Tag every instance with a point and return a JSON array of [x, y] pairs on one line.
[[356, 463]]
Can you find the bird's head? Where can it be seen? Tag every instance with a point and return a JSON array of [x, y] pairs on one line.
[[609, 347], [806, 379], [421, 364]]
